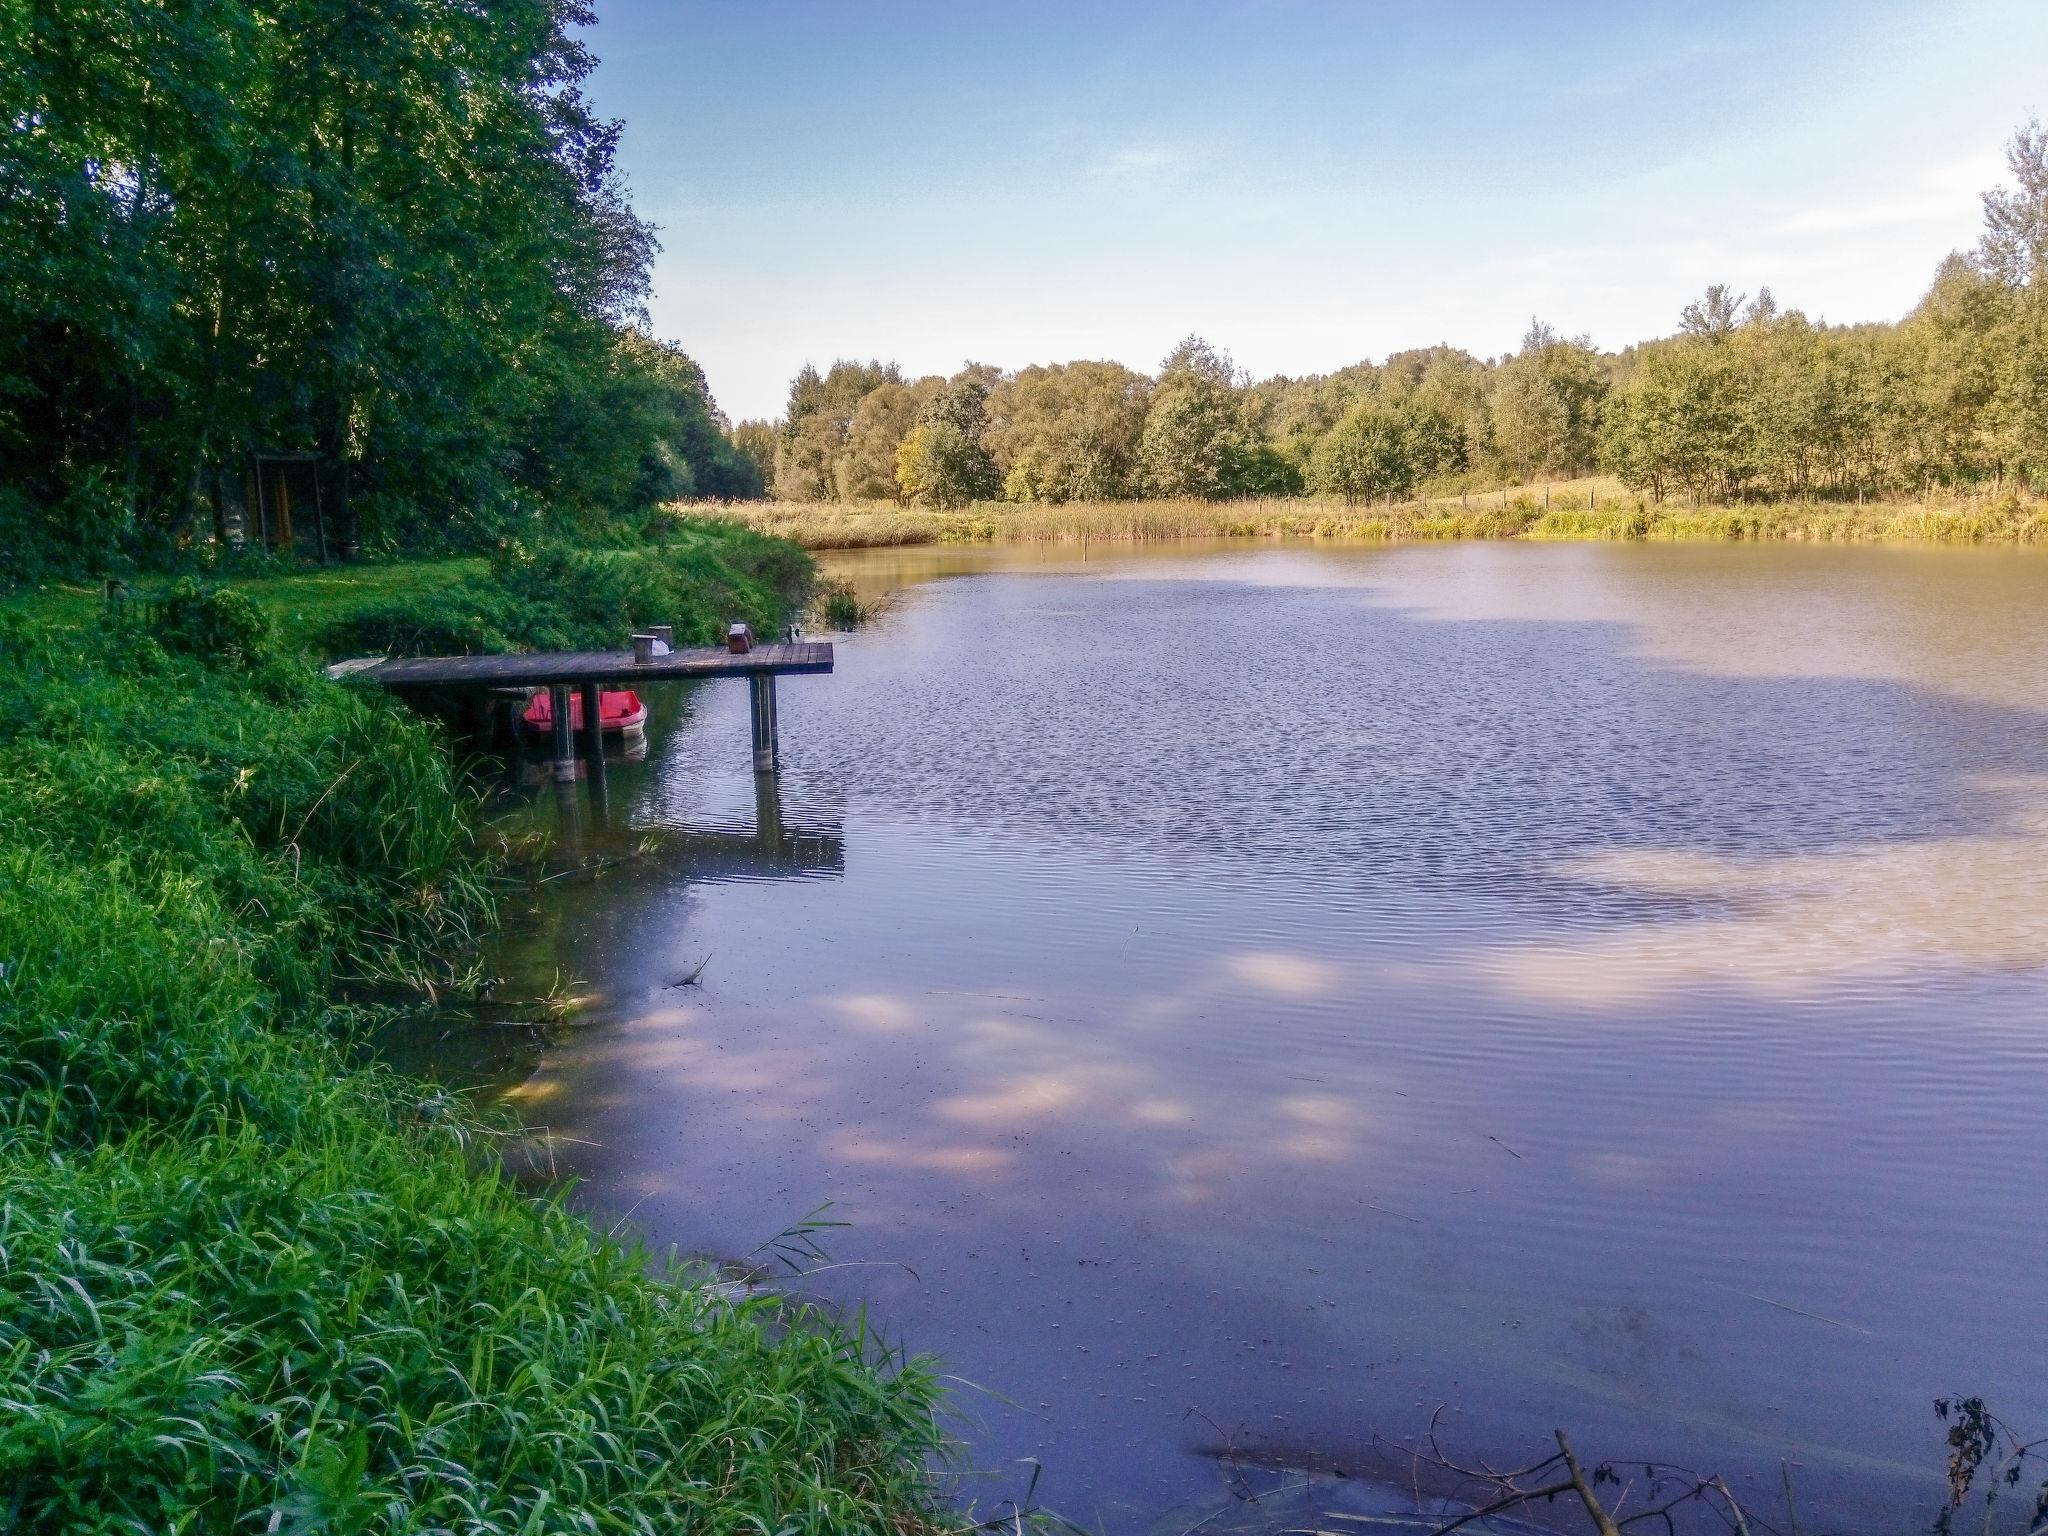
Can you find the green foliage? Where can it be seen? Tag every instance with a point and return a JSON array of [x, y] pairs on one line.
[[388, 237], [220, 624], [939, 465], [1371, 452], [2014, 249], [866, 471], [757, 440], [843, 608], [1261, 469], [819, 424], [686, 446], [943, 462], [83, 534], [1068, 432], [249, 1285], [554, 596], [1546, 404], [1198, 431]]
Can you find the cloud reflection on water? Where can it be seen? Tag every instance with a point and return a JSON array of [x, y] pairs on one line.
[[1498, 1030]]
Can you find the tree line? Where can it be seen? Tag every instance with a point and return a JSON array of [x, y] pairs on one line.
[[388, 239], [1745, 399], [390, 242]]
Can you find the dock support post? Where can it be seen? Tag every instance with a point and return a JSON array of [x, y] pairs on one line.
[[564, 736], [593, 746], [768, 812], [761, 689], [593, 725]]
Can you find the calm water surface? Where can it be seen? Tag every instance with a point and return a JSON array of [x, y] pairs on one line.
[[1245, 997]]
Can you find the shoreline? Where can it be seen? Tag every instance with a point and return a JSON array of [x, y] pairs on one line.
[[1581, 511], [305, 1277]]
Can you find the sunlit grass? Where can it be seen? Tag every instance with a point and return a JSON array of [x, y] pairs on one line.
[[1591, 508], [246, 1283]]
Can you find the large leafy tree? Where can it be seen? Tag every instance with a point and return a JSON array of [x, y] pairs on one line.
[[1198, 433], [1382, 447], [1546, 405], [2014, 254], [819, 425], [1069, 432], [943, 461], [882, 419], [387, 234]]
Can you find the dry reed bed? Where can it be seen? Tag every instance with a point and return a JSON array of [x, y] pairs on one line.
[[1586, 509]]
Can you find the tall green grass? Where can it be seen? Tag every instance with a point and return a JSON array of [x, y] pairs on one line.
[[698, 577], [248, 1284]]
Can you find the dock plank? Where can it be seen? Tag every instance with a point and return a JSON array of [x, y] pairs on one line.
[[535, 668]]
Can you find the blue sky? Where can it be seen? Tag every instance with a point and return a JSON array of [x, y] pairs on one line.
[[1305, 184]]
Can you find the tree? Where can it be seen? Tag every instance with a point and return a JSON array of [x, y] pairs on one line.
[[389, 236], [2014, 254], [1546, 404], [1683, 419], [2014, 247], [882, 419], [819, 425], [1069, 432], [757, 440], [1196, 437], [1714, 316], [688, 449], [1371, 452], [942, 462], [1452, 386], [1294, 414], [939, 465]]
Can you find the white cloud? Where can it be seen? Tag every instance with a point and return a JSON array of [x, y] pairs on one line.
[[1945, 194], [1141, 163]]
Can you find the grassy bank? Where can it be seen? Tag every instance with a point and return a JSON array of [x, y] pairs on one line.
[[1584, 509], [702, 572], [247, 1284]]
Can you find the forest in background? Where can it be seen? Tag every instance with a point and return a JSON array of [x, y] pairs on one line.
[[392, 240], [1747, 400], [393, 244]]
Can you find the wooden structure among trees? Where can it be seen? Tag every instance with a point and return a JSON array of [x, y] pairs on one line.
[[279, 485], [560, 671]]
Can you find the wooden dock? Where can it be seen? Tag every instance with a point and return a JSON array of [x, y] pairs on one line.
[[540, 669], [587, 671]]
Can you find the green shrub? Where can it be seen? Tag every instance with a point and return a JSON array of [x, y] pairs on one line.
[[840, 607], [218, 624], [554, 596], [79, 538]]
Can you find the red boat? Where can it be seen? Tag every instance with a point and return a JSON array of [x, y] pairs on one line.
[[619, 710]]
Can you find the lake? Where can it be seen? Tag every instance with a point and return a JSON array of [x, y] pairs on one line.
[[1243, 997]]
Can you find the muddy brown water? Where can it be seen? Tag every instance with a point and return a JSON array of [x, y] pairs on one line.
[[1242, 997]]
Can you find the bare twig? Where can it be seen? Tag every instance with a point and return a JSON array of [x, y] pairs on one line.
[[1734, 1509], [1602, 1521], [1506, 1502], [693, 978], [1832, 1322]]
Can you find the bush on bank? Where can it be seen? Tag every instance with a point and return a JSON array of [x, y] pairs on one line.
[[698, 576], [246, 1284]]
